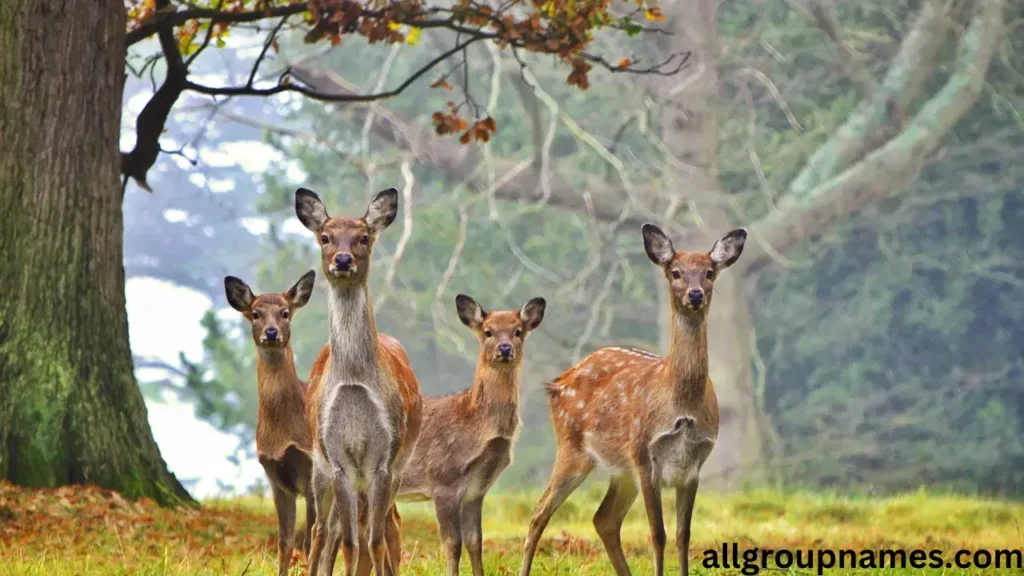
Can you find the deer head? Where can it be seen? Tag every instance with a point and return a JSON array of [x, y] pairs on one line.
[[691, 275], [501, 333], [346, 243], [270, 314]]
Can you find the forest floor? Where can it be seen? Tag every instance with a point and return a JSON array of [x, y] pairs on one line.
[[84, 530]]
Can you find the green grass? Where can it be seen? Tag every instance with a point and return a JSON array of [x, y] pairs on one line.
[[88, 531]]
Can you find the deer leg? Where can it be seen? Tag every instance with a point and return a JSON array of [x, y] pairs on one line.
[[319, 486], [685, 496], [378, 505], [307, 537], [447, 507], [568, 474], [472, 533], [344, 525], [393, 540], [617, 501], [650, 487], [284, 504], [364, 565]]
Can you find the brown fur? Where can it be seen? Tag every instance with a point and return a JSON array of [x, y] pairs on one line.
[[467, 437], [651, 421], [283, 440], [380, 366]]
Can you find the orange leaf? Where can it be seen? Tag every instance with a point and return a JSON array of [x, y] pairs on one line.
[[624, 63]]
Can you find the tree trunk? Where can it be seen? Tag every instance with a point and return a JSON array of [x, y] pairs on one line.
[[71, 411], [689, 128]]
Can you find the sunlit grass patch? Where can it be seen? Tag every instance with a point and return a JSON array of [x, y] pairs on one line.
[[83, 530]]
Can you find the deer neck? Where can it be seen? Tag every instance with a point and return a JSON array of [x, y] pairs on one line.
[[278, 387], [688, 357], [355, 358], [495, 395]]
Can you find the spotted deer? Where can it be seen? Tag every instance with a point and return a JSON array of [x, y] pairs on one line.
[[283, 441], [467, 437], [651, 421], [364, 405]]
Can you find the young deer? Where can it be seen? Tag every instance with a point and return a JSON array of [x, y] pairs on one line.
[[652, 421], [467, 437], [283, 441], [364, 401]]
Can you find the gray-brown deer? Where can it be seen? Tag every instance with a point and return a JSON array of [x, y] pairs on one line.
[[467, 437], [650, 421], [283, 441], [364, 402]]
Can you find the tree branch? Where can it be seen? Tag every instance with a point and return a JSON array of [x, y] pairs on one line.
[[161, 20], [871, 123], [284, 86], [887, 171], [824, 13], [150, 123]]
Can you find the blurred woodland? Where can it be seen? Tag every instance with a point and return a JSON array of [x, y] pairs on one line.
[[871, 336]]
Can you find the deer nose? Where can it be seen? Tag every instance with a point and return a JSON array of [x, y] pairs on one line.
[[342, 261], [271, 334], [696, 297], [505, 350]]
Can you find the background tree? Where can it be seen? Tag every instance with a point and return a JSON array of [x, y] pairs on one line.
[[72, 411], [867, 147]]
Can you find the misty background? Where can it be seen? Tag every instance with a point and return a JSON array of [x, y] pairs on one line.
[[881, 350]]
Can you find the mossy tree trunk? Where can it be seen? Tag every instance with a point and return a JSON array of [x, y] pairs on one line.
[[70, 408]]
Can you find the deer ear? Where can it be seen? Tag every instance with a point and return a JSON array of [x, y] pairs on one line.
[[470, 312], [532, 313], [382, 211], [298, 295], [728, 248], [310, 210], [657, 244], [238, 293]]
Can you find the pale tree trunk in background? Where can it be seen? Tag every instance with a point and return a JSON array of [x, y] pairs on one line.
[[689, 129], [70, 408]]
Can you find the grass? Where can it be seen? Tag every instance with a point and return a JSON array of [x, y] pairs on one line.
[[82, 530]]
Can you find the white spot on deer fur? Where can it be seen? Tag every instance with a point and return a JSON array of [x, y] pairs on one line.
[[620, 364], [580, 404], [570, 392]]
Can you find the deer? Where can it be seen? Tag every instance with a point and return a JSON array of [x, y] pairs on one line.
[[651, 421], [364, 407], [467, 437], [283, 440]]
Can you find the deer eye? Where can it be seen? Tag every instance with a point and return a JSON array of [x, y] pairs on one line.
[[710, 274], [255, 315], [364, 240], [324, 239], [488, 333], [676, 274], [519, 332], [285, 314]]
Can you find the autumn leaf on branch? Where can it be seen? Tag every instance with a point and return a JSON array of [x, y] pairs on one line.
[[564, 29]]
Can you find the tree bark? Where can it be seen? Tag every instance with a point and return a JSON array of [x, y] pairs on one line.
[[70, 411]]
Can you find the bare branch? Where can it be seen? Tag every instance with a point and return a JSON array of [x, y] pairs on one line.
[[285, 86], [888, 170], [403, 241], [271, 39], [871, 124], [824, 14]]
